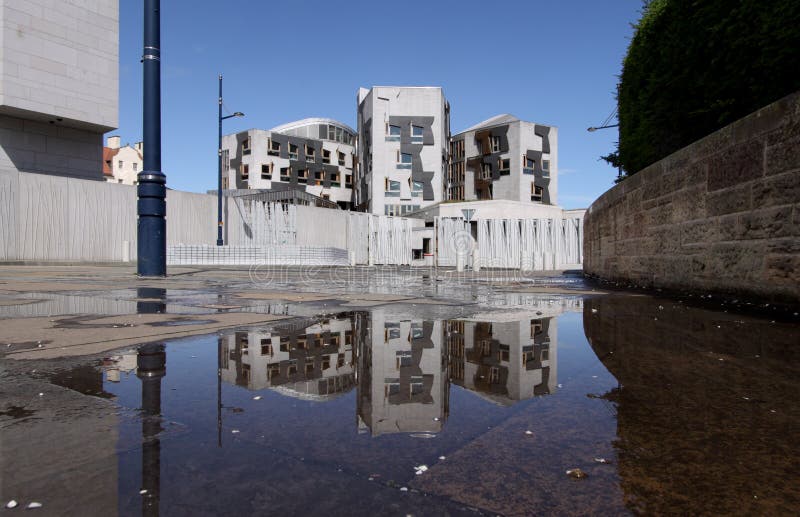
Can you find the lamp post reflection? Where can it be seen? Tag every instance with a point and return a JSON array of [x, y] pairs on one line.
[[151, 365]]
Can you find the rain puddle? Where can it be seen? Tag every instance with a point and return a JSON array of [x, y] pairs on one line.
[[606, 405]]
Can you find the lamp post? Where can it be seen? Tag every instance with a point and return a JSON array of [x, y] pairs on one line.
[[219, 163], [151, 207], [592, 130]]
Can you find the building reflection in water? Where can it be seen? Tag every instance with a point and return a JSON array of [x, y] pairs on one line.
[[401, 368]]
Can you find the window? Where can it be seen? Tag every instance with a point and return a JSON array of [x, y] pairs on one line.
[[392, 188], [494, 142], [416, 188], [486, 171], [403, 160], [417, 133], [226, 160], [302, 175], [292, 151], [245, 171], [504, 164], [266, 171], [246, 146], [392, 132], [326, 156], [341, 158], [266, 349], [120, 164], [335, 179], [274, 148], [348, 180], [536, 193], [331, 132], [310, 152], [402, 358], [135, 166], [286, 173], [528, 163], [545, 165]]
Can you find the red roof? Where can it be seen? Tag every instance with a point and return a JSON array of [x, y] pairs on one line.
[[108, 156]]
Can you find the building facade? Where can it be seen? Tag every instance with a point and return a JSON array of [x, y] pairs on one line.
[[504, 158], [122, 164], [59, 82], [403, 148], [315, 155]]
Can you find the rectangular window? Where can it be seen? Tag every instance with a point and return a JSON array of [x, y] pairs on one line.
[[348, 180], [331, 132], [392, 131], [286, 173], [341, 158], [416, 188], [120, 164], [246, 146], [504, 164], [310, 153], [545, 165], [339, 135], [486, 171], [536, 193], [135, 166], [245, 171], [302, 175], [326, 156], [403, 160], [292, 151], [266, 171], [334, 177], [416, 133], [494, 141], [529, 163], [274, 148]]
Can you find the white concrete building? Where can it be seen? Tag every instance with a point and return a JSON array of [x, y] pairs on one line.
[[122, 164], [316, 155], [403, 143], [504, 158], [59, 82], [314, 362], [402, 382]]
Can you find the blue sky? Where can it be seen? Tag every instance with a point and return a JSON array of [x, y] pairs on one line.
[[551, 62]]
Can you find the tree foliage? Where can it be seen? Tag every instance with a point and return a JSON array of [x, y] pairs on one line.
[[694, 66]]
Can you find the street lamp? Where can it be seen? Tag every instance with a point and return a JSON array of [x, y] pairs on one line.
[[219, 163], [595, 128]]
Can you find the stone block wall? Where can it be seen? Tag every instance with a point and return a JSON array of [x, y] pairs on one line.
[[720, 215]]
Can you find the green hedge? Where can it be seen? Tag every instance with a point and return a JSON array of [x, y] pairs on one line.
[[694, 66]]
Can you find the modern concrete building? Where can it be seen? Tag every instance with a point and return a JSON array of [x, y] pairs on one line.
[[122, 164], [504, 158], [402, 383], [403, 148], [511, 358], [59, 82], [313, 362], [316, 155]]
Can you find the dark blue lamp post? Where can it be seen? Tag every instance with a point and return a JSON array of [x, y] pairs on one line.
[[220, 118], [152, 183]]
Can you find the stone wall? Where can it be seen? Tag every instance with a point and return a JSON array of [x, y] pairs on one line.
[[720, 215]]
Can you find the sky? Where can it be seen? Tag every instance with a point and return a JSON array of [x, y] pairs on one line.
[[550, 62]]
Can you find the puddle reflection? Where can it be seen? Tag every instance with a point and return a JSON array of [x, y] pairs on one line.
[[401, 368], [668, 409]]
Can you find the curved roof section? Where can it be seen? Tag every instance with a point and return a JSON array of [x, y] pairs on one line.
[[505, 118], [310, 122]]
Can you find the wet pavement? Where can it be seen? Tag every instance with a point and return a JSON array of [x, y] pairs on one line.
[[393, 393]]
